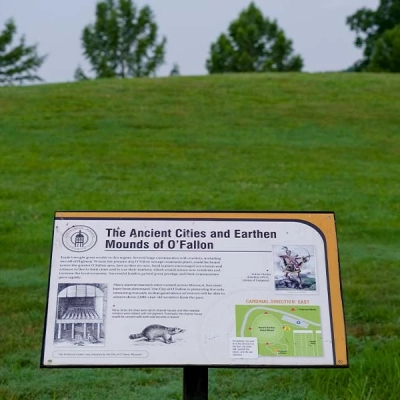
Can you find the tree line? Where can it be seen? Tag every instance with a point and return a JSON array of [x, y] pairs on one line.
[[124, 42]]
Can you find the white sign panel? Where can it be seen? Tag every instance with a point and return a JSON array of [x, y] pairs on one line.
[[215, 289]]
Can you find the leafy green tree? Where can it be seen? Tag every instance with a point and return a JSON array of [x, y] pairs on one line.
[[386, 54], [123, 41], [369, 25], [253, 44], [80, 75], [19, 63], [175, 71]]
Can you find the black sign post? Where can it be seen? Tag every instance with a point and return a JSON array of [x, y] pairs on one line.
[[195, 383]]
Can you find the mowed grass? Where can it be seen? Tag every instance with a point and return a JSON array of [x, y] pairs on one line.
[[236, 142]]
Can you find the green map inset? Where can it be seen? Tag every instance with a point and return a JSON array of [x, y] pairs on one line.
[[282, 330]]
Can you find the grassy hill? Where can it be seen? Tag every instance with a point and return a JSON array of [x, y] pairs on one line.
[[233, 142]]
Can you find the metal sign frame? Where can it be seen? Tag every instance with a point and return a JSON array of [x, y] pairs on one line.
[[215, 289]]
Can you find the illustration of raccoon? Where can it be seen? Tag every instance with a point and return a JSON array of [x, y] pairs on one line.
[[157, 332]]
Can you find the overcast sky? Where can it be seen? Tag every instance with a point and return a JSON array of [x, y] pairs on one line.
[[317, 28]]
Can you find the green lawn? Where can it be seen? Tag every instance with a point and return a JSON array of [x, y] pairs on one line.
[[323, 142]]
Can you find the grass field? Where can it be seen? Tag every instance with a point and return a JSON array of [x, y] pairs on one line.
[[235, 142]]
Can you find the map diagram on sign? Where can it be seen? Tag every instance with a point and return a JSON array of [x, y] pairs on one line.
[[282, 330]]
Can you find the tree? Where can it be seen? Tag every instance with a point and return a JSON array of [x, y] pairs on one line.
[[80, 75], [123, 41], [17, 64], [253, 44], [175, 71], [386, 54], [370, 25]]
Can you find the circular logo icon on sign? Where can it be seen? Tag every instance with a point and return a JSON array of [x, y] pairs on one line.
[[79, 238]]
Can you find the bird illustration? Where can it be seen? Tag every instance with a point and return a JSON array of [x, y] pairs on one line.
[[92, 339]]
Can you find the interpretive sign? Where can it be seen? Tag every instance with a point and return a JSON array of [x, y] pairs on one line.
[[256, 289]]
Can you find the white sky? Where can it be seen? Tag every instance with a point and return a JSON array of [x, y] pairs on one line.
[[317, 28]]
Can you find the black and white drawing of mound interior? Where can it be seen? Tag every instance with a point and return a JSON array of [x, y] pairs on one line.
[[80, 314]]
